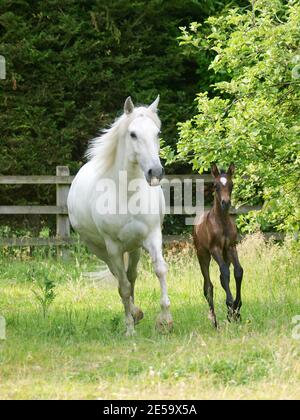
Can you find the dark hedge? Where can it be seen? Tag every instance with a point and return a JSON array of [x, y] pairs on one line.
[[71, 64]]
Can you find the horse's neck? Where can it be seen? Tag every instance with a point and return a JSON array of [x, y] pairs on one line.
[[220, 214]]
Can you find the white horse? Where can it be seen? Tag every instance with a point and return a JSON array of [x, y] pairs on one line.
[[125, 154]]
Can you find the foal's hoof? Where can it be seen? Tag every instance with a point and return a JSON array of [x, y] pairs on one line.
[[164, 324], [138, 315], [237, 317], [234, 316], [213, 320]]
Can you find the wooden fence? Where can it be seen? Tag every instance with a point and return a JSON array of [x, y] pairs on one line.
[[63, 180]]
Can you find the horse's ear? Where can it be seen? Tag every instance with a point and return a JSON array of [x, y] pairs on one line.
[[215, 171], [128, 106], [153, 107], [231, 169]]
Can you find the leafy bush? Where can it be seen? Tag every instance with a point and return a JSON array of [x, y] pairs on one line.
[[253, 116]]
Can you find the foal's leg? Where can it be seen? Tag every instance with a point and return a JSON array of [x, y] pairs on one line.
[[134, 258], [153, 244], [238, 275], [204, 262], [225, 278]]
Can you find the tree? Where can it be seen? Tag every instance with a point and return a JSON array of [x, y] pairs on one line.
[[253, 116]]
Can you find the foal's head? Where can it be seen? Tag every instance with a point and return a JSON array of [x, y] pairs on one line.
[[223, 185]]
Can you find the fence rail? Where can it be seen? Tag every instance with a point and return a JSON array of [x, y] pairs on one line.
[[67, 179], [60, 242], [33, 179], [34, 210], [63, 180]]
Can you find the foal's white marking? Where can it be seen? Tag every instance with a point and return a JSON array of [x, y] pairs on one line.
[[223, 180]]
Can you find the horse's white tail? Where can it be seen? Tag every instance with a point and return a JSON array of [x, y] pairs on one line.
[[126, 260], [99, 275]]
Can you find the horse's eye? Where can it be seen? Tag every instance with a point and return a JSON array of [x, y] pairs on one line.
[[133, 135], [217, 187]]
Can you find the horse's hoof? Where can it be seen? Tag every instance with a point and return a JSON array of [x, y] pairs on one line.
[[164, 324], [138, 315], [230, 314], [213, 320], [130, 332], [234, 316], [237, 317]]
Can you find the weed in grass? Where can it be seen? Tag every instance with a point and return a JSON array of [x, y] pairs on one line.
[[44, 293]]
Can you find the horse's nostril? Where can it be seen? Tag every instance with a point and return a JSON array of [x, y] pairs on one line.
[[156, 172]]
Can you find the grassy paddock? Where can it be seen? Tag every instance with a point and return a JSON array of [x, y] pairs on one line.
[[79, 351]]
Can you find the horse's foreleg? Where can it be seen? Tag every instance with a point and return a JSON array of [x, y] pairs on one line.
[[204, 262], [238, 275], [153, 244], [117, 267], [134, 258], [225, 278]]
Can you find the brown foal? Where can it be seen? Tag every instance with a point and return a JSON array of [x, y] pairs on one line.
[[215, 235]]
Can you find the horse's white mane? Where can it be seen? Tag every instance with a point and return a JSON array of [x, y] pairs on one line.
[[103, 149]]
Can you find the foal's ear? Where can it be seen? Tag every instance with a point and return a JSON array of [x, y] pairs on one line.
[[153, 107], [215, 171], [128, 106], [231, 169]]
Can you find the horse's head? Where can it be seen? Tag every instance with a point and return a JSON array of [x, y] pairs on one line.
[[223, 185], [143, 139]]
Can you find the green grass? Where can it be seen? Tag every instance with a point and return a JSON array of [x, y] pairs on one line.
[[79, 349]]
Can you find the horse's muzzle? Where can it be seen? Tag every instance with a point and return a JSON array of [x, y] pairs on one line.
[[155, 175], [225, 205]]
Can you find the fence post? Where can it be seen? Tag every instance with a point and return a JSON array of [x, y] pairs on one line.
[[62, 221]]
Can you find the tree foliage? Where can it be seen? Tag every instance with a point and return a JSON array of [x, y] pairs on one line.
[[252, 118]]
